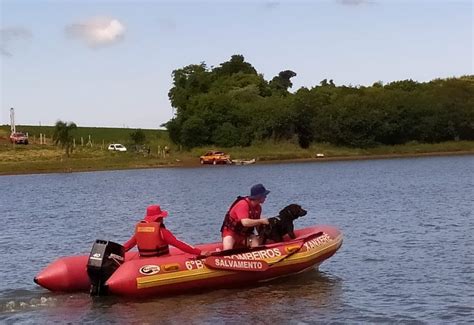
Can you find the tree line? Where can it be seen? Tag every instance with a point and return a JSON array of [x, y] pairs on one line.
[[233, 105]]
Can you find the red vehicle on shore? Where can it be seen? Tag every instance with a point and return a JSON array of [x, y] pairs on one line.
[[215, 157], [19, 138]]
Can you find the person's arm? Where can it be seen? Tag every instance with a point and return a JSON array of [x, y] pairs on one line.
[[253, 222], [173, 241], [241, 211], [130, 243]]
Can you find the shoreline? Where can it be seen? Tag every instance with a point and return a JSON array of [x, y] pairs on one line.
[[191, 164]]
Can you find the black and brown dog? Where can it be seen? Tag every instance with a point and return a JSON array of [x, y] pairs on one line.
[[282, 224]]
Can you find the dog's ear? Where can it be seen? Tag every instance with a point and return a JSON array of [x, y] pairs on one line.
[[295, 208], [285, 212], [294, 211]]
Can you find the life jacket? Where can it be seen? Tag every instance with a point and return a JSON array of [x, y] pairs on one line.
[[235, 225], [149, 239]]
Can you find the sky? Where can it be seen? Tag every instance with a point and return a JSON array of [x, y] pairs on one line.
[[109, 63]]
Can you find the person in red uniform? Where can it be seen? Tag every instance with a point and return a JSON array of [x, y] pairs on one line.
[[152, 238], [242, 217]]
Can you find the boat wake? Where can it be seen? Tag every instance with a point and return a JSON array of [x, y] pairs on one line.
[[21, 300]]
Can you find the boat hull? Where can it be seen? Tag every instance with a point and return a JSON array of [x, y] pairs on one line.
[[179, 272]]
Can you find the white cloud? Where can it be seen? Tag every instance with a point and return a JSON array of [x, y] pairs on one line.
[[98, 31], [9, 34]]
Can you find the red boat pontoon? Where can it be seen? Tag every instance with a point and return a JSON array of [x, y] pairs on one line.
[[179, 272]]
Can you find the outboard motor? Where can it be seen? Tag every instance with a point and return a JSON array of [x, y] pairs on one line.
[[104, 259]]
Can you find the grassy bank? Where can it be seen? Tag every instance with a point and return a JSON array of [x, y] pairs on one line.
[[35, 158], [93, 155], [290, 151], [22, 159]]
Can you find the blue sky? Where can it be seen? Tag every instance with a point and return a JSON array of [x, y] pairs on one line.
[[123, 77]]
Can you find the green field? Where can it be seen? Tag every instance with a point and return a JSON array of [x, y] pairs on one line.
[[36, 158], [98, 135]]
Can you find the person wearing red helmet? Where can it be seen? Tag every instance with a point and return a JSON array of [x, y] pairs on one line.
[[242, 218], [153, 239]]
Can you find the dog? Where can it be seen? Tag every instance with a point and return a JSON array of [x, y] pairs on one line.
[[282, 224]]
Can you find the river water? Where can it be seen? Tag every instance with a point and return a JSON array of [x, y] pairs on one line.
[[408, 252]]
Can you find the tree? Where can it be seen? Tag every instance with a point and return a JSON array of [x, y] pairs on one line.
[[303, 124], [233, 104], [282, 82], [174, 129], [226, 135], [406, 85], [194, 132], [189, 81], [63, 135], [138, 137], [236, 64]]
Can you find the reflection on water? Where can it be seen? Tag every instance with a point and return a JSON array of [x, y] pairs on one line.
[[309, 291], [278, 300]]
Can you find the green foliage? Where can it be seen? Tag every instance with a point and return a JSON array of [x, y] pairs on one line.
[[138, 137], [233, 105], [226, 135], [236, 64], [194, 132], [282, 82], [63, 135]]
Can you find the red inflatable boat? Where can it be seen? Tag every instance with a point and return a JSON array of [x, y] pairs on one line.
[[179, 272]]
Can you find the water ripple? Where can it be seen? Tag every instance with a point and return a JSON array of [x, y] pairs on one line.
[[407, 255]]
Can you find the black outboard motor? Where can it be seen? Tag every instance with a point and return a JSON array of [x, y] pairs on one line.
[[104, 259]]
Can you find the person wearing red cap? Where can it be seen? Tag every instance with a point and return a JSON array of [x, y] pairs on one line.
[[242, 217], [153, 239]]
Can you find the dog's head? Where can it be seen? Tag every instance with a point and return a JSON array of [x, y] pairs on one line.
[[293, 211]]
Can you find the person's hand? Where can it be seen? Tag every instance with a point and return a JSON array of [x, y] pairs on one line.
[[204, 254], [264, 221]]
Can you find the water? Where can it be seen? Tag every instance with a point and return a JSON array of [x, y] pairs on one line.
[[407, 254]]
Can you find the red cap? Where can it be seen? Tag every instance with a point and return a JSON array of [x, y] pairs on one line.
[[154, 212]]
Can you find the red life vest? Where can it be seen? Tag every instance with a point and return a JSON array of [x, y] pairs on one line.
[[149, 239], [236, 225]]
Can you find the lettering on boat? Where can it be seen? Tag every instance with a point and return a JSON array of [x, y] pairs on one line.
[[240, 264], [96, 256], [316, 242], [194, 264], [116, 257], [256, 255], [149, 269]]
